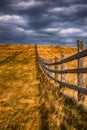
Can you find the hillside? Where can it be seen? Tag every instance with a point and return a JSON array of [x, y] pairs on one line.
[[28, 101]]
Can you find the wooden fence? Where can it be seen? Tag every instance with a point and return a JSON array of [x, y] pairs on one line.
[[80, 71]]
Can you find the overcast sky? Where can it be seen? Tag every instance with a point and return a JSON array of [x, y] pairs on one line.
[[57, 22]]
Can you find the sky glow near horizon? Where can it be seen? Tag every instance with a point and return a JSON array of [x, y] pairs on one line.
[[49, 22]]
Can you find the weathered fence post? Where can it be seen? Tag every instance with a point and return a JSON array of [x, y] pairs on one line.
[[62, 68], [47, 61], [81, 64], [56, 69], [50, 61]]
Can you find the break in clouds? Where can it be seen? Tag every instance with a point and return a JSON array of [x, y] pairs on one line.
[[55, 22]]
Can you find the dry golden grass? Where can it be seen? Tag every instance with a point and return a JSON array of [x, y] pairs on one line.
[[18, 91], [28, 101]]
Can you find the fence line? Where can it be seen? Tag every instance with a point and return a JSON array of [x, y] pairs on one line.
[[80, 71], [74, 57]]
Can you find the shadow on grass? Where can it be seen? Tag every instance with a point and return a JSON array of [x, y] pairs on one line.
[[42, 108], [9, 58], [44, 117]]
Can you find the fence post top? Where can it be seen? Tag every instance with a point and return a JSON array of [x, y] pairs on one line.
[[79, 41], [56, 57], [80, 44], [62, 54]]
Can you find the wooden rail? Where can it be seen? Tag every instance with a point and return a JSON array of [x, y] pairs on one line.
[[80, 71], [74, 57]]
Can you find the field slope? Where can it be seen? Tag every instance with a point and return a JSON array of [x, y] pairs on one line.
[[27, 101]]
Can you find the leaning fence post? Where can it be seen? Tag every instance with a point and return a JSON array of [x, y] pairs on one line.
[[62, 68], [81, 64], [56, 69]]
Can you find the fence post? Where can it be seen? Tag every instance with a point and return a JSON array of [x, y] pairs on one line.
[[81, 64], [62, 68], [50, 61], [47, 61], [56, 68]]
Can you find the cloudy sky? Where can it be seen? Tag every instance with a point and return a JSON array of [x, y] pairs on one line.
[[57, 22]]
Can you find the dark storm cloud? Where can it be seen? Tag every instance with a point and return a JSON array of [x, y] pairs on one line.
[[4, 3], [43, 21]]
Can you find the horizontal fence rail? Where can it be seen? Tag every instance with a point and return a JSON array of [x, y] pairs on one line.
[[74, 57], [80, 71]]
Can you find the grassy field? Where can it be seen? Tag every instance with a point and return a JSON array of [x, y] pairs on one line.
[[29, 101]]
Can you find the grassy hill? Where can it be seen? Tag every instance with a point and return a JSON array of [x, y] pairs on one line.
[[28, 101]]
